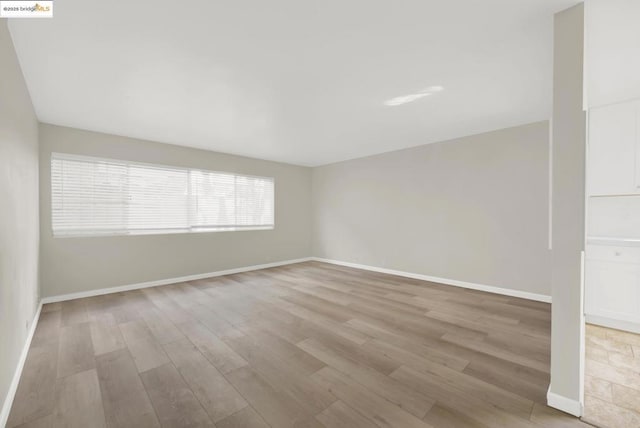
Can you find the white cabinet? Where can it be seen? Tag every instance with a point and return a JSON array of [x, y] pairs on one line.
[[614, 139], [612, 288]]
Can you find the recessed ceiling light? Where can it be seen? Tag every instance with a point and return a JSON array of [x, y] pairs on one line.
[[404, 99]]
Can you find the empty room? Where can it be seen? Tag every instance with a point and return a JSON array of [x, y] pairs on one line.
[[331, 214]]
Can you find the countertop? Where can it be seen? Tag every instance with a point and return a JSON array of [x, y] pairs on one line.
[[606, 240]]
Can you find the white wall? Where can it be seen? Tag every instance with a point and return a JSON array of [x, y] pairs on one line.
[[612, 46], [18, 212], [568, 170], [71, 265], [473, 209]]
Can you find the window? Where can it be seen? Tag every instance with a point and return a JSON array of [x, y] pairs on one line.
[[91, 196]]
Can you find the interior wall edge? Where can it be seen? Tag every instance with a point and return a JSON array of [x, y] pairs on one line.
[[19, 231], [569, 153]]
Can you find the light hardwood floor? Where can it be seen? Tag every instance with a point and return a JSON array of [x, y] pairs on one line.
[[305, 345], [612, 377]]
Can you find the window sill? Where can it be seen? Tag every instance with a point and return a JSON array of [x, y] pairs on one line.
[[146, 232]]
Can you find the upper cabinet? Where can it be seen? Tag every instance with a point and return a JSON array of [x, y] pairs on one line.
[[611, 51], [614, 150]]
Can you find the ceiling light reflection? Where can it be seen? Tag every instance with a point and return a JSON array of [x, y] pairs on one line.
[[404, 99]]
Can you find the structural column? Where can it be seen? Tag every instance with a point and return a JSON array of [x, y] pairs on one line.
[[568, 149]]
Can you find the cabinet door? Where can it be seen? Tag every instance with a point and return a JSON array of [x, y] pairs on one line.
[[613, 290], [612, 150]]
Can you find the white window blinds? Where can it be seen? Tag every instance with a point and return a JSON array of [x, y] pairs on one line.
[[91, 196]]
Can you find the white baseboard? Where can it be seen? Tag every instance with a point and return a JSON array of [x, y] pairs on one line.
[[11, 393], [156, 283], [567, 405], [633, 327], [488, 288]]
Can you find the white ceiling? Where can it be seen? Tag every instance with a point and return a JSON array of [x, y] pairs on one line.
[[295, 81]]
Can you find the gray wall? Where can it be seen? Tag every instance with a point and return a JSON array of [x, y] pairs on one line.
[[71, 265], [569, 145], [473, 209], [18, 211]]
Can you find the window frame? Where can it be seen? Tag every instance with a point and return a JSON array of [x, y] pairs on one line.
[[162, 231]]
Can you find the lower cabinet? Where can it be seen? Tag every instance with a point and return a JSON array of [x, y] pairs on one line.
[[612, 285]]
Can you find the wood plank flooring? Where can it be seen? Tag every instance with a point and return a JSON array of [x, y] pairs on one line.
[[304, 345]]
